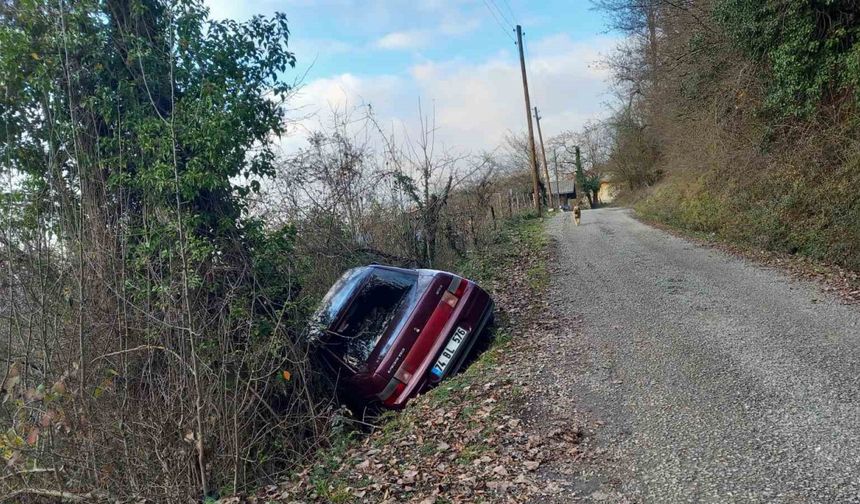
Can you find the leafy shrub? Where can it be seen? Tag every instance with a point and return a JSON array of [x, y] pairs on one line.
[[811, 48]]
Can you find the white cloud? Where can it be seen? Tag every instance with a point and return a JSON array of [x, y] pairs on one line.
[[476, 104], [346, 89], [311, 107], [459, 25], [311, 47], [242, 10], [365, 20], [403, 40], [417, 39]]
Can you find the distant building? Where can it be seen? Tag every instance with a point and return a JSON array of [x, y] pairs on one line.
[[608, 191], [567, 190], [564, 191]]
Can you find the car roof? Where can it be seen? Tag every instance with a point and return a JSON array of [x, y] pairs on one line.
[[387, 267]]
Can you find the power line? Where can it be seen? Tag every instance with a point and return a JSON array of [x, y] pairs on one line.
[[499, 22], [510, 21], [508, 5]]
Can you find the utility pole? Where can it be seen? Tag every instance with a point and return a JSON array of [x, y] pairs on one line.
[[545, 166], [532, 153], [579, 175], [557, 186]]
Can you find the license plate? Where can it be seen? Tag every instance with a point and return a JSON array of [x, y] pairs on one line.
[[449, 351]]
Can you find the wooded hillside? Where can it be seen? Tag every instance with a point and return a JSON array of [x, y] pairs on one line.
[[739, 118]]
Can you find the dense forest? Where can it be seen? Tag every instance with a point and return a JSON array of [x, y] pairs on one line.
[[739, 118]]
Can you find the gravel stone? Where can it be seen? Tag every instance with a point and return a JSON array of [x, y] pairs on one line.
[[716, 380]]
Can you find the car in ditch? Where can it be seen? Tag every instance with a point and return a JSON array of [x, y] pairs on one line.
[[390, 333]]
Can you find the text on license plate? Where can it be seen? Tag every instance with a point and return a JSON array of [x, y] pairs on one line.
[[449, 351]]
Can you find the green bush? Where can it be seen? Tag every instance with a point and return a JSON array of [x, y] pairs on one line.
[[811, 49]]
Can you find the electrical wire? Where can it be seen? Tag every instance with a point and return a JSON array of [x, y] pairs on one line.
[[508, 5], [508, 20], [499, 22]]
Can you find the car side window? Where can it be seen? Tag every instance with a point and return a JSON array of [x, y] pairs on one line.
[[371, 313]]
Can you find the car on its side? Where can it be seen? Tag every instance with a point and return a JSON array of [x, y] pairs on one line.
[[390, 333]]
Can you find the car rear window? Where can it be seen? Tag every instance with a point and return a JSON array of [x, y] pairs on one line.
[[336, 298], [374, 311], [366, 304]]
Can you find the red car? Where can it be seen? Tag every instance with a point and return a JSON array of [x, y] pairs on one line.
[[390, 333]]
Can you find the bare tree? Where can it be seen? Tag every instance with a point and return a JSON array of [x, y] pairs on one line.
[[427, 177]]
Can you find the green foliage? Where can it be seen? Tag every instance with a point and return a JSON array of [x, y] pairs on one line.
[[588, 183], [136, 133], [683, 204], [490, 264], [791, 211], [750, 111], [811, 49], [162, 105]]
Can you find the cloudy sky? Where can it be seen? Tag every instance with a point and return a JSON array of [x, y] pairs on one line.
[[458, 56]]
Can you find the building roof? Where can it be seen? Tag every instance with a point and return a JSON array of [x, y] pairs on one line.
[[565, 186]]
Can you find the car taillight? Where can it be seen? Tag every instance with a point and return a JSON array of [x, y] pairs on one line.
[[398, 389], [403, 375], [458, 287], [449, 299]]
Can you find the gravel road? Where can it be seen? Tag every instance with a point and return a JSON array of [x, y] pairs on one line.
[[712, 379]]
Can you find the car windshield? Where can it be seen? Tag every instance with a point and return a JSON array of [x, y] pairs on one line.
[[380, 296]]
